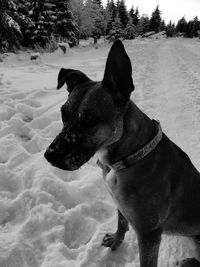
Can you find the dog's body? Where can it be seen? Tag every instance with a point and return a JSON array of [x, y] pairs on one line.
[[160, 192]]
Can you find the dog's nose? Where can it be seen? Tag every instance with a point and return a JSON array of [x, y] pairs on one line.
[[50, 156]]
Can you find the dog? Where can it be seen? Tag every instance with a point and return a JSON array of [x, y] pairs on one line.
[[153, 182]]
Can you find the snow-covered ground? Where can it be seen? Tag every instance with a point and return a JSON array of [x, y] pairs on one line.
[[55, 218]]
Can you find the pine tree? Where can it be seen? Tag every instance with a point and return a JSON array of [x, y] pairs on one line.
[[193, 26], [65, 26], [190, 29], [163, 25], [155, 20], [143, 25], [196, 24], [23, 6], [106, 20], [112, 14], [98, 3], [10, 33], [130, 31], [136, 17], [98, 17], [77, 7], [170, 29], [37, 32], [122, 12], [22, 18], [131, 13], [116, 31], [94, 19], [49, 19], [181, 26], [81, 17], [134, 14]]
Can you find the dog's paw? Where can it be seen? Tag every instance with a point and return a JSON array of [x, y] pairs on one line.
[[112, 240], [190, 262]]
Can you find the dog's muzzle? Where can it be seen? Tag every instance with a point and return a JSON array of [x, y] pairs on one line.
[[70, 162], [66, 152]]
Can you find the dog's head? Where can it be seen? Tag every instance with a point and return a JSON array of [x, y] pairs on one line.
[[93, 113]]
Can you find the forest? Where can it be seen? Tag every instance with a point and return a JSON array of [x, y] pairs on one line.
[[43, 23]]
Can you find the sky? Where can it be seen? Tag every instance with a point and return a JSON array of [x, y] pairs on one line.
[[171, 9]]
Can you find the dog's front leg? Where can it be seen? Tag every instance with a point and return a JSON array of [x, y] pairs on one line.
[[113, 240], [149, 248]]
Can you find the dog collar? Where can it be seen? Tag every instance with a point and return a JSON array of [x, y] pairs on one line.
[[141, 153]]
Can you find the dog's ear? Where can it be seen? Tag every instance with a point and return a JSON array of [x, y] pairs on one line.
[[118, 72], [71, 78]]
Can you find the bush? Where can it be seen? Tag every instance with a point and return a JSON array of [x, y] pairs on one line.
[[50, 47]]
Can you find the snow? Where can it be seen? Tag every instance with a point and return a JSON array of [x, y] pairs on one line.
[[55, 218]]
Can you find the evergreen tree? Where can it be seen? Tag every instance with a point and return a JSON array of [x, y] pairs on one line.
[[116, 31], [111, 10], [98, 3], [131, 13], [65, 26], [155, 20], [192, 28], [134, 14], [82, 17], [143, 25], [170, 29], [106, 20], [10, 33], [94, 19], [21, 16], [181, 26], [190, 31], [23, 6], [48, 19], [77, 7], [130, 31], [122, 12], [98, 20], [196, 26], [37, 32], [163, 25]]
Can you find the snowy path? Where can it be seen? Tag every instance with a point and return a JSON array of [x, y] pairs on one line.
[[169, 90], [53, 218]]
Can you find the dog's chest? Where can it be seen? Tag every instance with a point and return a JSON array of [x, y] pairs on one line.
[[115, 189], [110, 179]]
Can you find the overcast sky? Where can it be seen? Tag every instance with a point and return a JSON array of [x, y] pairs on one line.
[[171, 9]]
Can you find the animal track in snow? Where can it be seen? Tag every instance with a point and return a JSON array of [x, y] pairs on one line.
[[78, 229]]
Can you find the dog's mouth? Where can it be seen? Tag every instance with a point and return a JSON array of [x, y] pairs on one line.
[[69, 162]]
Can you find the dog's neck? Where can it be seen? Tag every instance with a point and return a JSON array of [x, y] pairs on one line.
[[138, 129]]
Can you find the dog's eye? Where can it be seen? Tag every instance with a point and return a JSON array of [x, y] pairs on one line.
[[87, 120]]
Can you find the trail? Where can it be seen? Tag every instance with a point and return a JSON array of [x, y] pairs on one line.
[[169, 90], [55, 218]]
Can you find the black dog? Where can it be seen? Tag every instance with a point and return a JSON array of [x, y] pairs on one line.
[[153, 182]]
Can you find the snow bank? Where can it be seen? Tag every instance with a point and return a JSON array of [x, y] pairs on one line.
[[55, 218]]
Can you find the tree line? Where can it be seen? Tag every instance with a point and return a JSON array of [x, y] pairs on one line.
[[33, 23]]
